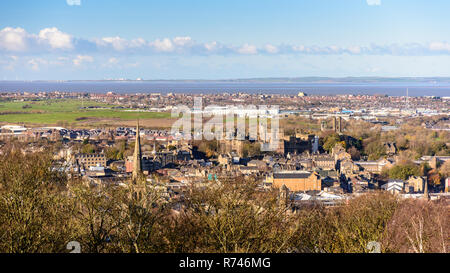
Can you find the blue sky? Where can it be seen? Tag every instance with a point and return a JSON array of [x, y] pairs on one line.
[[219, 39]]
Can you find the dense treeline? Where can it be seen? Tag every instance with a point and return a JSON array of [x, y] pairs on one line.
[[41, 210], [411, 139]]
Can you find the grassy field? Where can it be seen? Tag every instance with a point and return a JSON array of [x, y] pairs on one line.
[[293, 123], [69, 113]]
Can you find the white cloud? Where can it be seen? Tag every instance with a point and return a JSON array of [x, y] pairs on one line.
[[120, 44], [182, 41], [299, 48], [373, 2], [73, 2], [271, 49], [9, 62], [113, 60], [247, 49], [13, 39], [55, 38], [80, 59], [333, 49], [36, 63], [139, 42], [16, 41], [177, 44], [211, 46], [438, 46], [117, 43], [354, 49], [164, 45]]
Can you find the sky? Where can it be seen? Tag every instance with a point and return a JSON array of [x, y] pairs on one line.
[[222, 39]]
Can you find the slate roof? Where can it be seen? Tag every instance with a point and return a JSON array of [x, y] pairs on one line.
[[291, 175]]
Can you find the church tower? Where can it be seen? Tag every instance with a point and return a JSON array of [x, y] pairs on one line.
[[137, 158]]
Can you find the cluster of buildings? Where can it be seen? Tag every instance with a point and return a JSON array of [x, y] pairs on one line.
[[297, 167], [78, 135], [367, 107]]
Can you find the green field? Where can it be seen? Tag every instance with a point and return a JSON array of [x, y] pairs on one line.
[[67, 112]]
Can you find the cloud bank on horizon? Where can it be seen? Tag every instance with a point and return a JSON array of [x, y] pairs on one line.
[[51, 40], [221, 39]]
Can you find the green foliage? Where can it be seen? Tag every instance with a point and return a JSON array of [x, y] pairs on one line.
[[345, 229], [375, 150], [113, 154], [355, 154], [444, 169], [117, 152], [418, 226], [86, 141], [34, 216], [209, 148], [410, 137], [41, 211], [231, 218], [88, 149], [330, 141], [172, 148], [66, 112], [404, 171], [251, 149]]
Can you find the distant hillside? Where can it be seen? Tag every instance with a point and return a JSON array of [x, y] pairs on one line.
[[302, 80], [346, 79]]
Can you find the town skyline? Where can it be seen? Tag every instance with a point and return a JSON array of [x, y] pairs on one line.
[[253, 130]]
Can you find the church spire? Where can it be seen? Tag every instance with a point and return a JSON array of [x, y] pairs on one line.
[[426, 195], [137, 159]]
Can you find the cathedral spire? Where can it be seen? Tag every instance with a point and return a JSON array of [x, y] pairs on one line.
[[137, 159]]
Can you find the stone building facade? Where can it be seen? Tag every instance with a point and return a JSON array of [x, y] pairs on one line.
[[298, 181]]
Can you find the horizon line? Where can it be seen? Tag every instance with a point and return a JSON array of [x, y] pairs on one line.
[[273, 79]]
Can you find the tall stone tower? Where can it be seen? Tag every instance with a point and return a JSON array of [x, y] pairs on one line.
[[339, 125], [334, 123], [323, 125], [137, 158]]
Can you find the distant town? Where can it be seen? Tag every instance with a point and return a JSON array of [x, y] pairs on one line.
[[228, 135], [322, 154]]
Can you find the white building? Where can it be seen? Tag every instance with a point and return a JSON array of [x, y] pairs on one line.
[[13, 129], [394, 186]]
